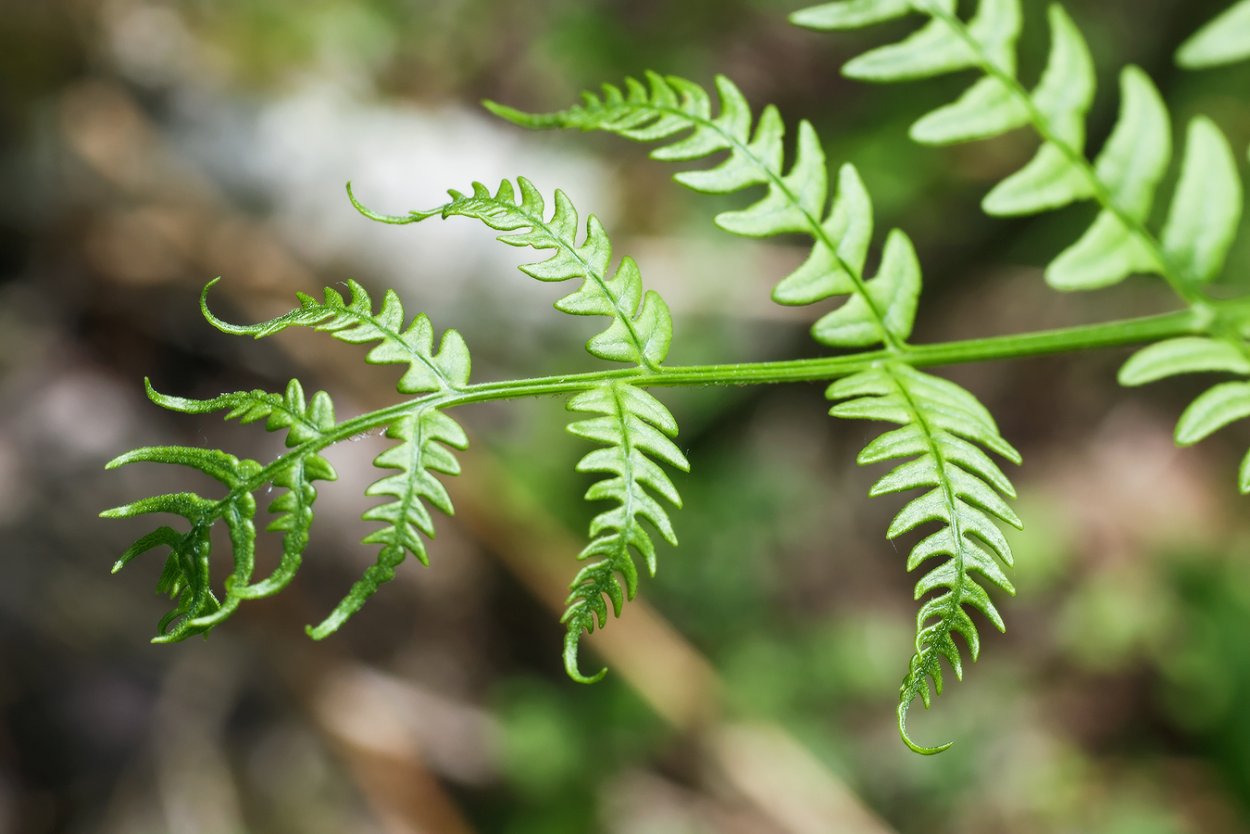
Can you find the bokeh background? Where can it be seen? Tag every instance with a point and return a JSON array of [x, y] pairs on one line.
[[147, 146]]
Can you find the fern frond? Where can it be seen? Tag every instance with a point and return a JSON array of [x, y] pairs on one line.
[[796, 199], [303, 421], [422, 451], [1225, 40], [423, 432], [642, 326], [186, 577], [634, 429], [1217, 407], [354, 321], [1122, 179], [942, 430]]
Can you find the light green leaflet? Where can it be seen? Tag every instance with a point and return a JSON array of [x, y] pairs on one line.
[[642, 327], [1216, 408], [1190, 249], [1222, 41], [635, 430]]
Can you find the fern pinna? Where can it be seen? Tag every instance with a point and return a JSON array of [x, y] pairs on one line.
[[943, 441]]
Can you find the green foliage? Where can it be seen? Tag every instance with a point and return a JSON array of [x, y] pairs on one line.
[[1217, 407], [1222, 41], [940, 425], [638, 334], [943, 433], [635, 430], [310, 427], [880, 310], [795, 202], [422, 450], [635, 426], [1122, 179], [355, 322]]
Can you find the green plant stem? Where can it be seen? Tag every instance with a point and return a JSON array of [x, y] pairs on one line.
[[823, 369]]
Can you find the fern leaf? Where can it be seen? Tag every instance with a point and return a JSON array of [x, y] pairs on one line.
[[796, 199], [421, 451], [1226, 403], [1187, 355], [186, 577], [642, 327], [851, 14], [355, 321], [1224, 40], [1207, 207], [303, 421], [1122, 179], [424, 433], [1217, 407], [635, 431], [941, 425]]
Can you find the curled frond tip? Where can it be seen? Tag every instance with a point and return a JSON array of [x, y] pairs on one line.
[[392, 219], [903, 707], [571, 667]]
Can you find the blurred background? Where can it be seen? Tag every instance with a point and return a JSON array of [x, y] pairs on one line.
[[147, 146]]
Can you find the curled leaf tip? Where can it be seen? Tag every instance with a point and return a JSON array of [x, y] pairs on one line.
[[315, 632], [219, 324], [392, 219], [903, 707], [163, 400], [571, 667]]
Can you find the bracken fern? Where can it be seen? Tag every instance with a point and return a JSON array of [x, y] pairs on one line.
[[943, 434], [879, 310]]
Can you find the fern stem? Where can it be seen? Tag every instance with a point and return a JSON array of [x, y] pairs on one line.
[[1189, 294], [1041, 343]]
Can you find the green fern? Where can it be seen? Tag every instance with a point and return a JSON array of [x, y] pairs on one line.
[[796, 199], [1122, 179], [1214, 409], [354, 321], [1224, 40], [944, 434], [303, 421], [634, 425], [940, 425], [635, 430], [642, 327], [422, 450], [879, 310], [422, 430], [186, 576]]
